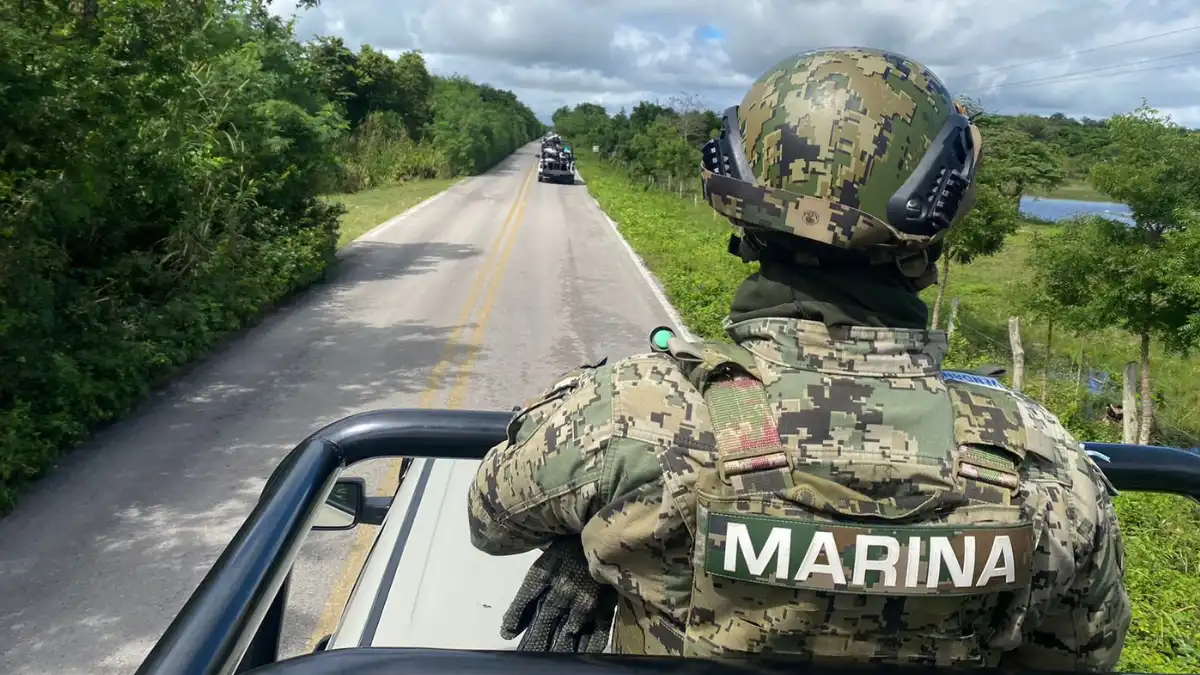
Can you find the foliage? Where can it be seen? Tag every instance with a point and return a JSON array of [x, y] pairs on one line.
[[982, 232], [1021, 163], [1079, 143], [656, 143], [407, 124], [1153, 171], [1142, 279], [476, 126], [160, 165]]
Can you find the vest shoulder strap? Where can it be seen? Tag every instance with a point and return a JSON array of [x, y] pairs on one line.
[[704, 360], [750, 455], [993, 434]]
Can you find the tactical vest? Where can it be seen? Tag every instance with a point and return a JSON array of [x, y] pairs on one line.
[[788, 562]]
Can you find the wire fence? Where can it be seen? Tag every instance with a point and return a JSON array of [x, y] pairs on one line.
[[1052, 373]]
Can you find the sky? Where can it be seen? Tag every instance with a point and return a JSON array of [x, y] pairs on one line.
[[1083, 58]]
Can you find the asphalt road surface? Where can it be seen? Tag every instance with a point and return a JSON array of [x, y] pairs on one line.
[[436, 308]]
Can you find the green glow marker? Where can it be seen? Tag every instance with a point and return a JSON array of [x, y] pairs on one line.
[[660, 337]]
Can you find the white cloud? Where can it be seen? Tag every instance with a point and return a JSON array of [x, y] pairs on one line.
[[616, 52]]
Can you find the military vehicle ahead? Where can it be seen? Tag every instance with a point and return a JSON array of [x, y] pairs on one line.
[[556, 162]]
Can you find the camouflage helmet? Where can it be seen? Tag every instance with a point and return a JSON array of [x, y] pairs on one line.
[[858, 149]]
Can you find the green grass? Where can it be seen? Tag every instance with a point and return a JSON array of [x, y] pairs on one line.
[[366, 209], [1074, 189], [684, 245], [989, 290]]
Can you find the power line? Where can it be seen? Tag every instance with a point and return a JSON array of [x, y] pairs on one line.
[[1086, 51], [1094, 76], [1135, 71], [1067, 77]]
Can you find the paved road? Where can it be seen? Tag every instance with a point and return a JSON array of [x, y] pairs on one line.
[[429, 310]]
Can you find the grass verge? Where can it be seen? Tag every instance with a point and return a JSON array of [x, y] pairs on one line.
[[684, 246], [366, 209], [1079, 190]]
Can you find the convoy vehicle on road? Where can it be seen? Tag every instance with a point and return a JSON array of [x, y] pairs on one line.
[[232, 623], [556, 162]]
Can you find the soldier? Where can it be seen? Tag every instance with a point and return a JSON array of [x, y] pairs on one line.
[[820, 488]]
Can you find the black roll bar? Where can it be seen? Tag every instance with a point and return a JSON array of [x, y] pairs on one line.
[[231, 623], [423, 661], [1148, 468], [221, 619]]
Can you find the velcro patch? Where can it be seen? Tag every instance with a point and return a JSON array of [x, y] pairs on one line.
[[928, 560], [971, 378]]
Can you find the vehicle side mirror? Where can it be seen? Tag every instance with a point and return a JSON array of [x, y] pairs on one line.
[[343, 508]]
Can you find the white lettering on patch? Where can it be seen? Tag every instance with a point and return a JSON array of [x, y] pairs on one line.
[[872, 553], [824, 544], [1001, 548], [886, 565], [778, 545]]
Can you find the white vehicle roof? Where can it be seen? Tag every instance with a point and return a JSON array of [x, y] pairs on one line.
[[424, 584]]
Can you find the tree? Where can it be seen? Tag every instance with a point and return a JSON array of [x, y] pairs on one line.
[[981, 233], [985, 229], [1099, 273], [333, 66], [1021, 163], [644, 114], [585, 125], [1078, 144], [690, 121]]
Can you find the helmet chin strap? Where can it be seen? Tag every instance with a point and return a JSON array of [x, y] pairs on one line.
[[917, 267], [920, 271]]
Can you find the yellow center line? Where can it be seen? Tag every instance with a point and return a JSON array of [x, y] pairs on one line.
[[495, 261], [431, 387], [475, 342]]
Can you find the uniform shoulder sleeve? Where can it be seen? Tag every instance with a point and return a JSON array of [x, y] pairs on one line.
[[543, 480], [595, 436], [1078, 611], [663, 429]]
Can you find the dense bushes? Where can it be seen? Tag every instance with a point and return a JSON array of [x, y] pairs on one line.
[[159, 171], [409, 124]]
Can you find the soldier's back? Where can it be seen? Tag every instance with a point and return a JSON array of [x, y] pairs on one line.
[[880, 444]]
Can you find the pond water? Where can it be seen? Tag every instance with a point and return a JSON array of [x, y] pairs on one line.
[[1059, 209]]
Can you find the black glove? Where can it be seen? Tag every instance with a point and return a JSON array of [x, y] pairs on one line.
[[560, 607]]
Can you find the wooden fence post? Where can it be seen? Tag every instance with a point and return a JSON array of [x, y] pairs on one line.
[[952, 322], [1018, 352], [1079, 376], [1129, 409]]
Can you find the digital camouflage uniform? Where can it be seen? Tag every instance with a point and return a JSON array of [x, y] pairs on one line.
[[828, 493]]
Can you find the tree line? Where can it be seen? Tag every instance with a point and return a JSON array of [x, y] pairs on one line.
[[1092, 274], [161, 166], [406, 123]]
